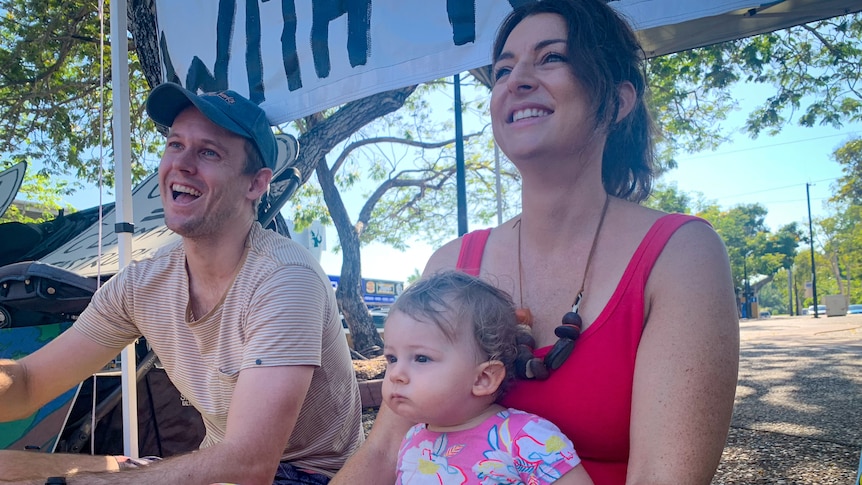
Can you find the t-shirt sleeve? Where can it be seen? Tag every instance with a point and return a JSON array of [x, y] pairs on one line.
[[543, 451], [106, 320], [286, 316]]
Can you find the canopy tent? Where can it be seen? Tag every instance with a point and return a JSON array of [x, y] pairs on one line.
[[297, 58], [742, 22]]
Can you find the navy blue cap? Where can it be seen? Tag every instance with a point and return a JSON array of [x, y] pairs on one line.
[[227, 109]]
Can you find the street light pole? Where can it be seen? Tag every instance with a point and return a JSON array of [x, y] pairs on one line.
[[746, 288], [811, 243]]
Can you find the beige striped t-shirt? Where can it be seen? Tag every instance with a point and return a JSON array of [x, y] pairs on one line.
[[279, 311]]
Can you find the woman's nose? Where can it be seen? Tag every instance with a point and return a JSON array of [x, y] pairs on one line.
[[522, 78]]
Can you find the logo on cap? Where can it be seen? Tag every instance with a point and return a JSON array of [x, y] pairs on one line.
[[224, 96]]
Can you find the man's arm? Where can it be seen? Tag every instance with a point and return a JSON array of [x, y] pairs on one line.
[[263, 412], [28, 384]]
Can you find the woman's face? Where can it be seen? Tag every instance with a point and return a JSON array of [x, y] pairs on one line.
[[538, 107]]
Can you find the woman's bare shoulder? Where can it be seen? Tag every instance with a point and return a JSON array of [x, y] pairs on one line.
[[444, 258]]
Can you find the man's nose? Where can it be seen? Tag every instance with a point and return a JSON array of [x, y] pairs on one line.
[[183, 160]]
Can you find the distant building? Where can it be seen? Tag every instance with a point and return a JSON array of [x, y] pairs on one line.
[[33, 210]]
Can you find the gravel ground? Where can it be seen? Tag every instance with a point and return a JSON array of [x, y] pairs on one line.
[[798, 412]]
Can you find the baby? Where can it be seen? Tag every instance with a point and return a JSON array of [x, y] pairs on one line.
[[450, 346]]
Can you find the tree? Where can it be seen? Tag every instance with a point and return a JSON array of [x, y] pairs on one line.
[[56, 103], [43, 192], [752, 248], [409, 177], [668, 198], [814, 69]]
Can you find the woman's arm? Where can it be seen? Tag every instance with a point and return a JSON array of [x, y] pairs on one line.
[[687, 362]]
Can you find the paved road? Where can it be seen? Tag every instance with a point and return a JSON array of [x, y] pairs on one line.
[[798, 412]]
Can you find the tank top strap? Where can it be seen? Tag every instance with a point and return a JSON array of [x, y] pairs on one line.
[[654, 242], [472, 249]]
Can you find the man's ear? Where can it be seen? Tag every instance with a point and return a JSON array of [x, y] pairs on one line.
[[627, 99], [489, 376], [259, 183]]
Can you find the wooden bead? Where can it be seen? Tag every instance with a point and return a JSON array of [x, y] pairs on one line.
[[525, 338], [568, 331], [524, 316], [521, 368], [524, 353], [572, 318], [559, 353], [537, 368]]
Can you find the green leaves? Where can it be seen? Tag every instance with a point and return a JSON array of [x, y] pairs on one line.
[[56, 107]]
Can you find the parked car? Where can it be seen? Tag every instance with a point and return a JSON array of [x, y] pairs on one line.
[[854, 309], [377, 316], [821, 310]]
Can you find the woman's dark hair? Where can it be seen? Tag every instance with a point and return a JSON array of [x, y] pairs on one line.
[[452, 299], [603, 53]]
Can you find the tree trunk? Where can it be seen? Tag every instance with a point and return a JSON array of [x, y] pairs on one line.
[[366, 340]]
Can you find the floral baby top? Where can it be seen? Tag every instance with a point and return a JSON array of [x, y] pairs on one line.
[[511, 447]]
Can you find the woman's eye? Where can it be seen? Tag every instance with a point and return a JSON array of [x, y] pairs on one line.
[[500, 72], [554, 57], [209, 153]]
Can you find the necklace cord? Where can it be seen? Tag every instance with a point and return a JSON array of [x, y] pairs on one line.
[[580, 292]]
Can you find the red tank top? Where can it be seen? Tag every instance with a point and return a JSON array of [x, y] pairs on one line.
[[589, 398]]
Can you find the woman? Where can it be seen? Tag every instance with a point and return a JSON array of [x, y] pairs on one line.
[[647, 391]]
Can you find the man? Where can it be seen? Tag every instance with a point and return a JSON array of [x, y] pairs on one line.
[[243, 320]]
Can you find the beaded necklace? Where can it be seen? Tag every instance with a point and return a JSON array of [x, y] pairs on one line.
[[527, 365]]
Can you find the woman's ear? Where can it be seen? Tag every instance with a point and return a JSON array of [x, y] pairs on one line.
[[627, 96], [489, 376]]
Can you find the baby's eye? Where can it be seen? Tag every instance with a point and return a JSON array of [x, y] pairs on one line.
[[391, 359], [422, 358]]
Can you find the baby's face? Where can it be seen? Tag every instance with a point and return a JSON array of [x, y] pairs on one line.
[[428, 378]]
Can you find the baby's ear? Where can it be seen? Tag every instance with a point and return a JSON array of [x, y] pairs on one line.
[[489, 375]]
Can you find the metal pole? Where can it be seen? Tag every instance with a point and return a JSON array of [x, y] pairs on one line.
[[746, 307], [811, 241], [790, 291], [499, 184], [124, 217], [460, 175]]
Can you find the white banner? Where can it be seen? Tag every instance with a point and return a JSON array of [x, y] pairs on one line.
[[295, 58]]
